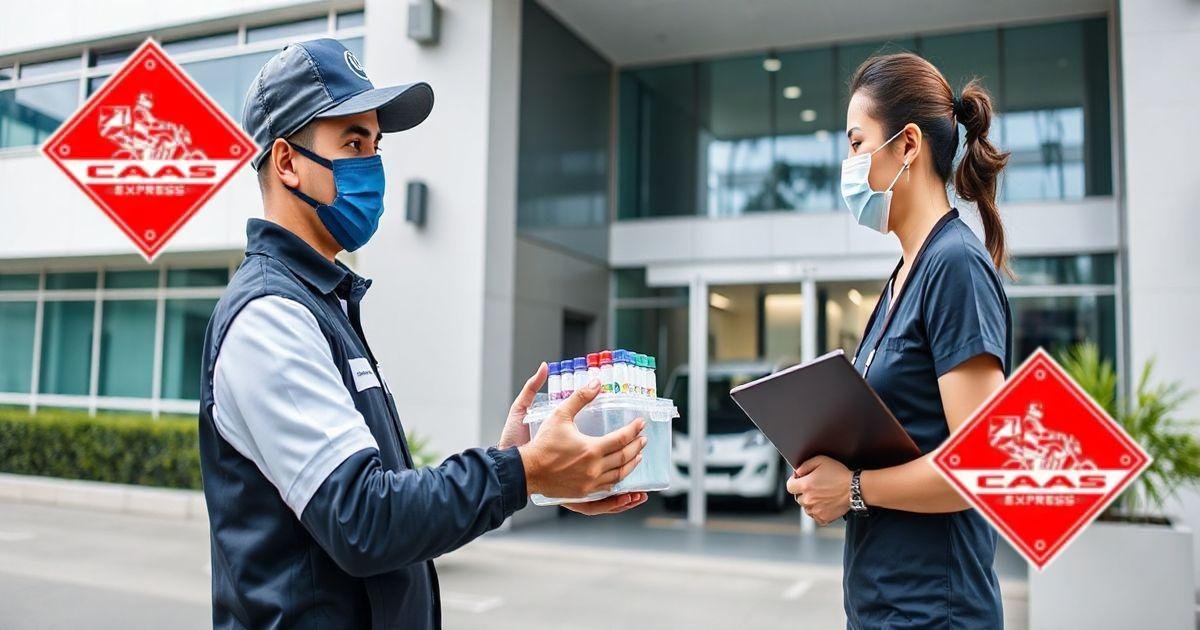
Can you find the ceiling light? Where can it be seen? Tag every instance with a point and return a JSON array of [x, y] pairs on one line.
[[771, 63], [821, 135], [791, 92], [808, 115], [716, 300], [854, 296]]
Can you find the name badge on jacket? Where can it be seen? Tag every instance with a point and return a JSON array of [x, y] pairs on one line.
[[364, 376]]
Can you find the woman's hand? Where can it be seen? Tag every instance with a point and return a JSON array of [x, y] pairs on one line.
[[821, 486], [615, 504]]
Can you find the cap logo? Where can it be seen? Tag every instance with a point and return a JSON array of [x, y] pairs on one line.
[[355, 66]]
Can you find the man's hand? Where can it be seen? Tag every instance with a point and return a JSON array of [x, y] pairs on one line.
[[562, 462], [516, 432], [821, 486], [609, 505]]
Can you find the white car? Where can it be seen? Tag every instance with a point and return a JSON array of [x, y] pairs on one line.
[[740, 461]]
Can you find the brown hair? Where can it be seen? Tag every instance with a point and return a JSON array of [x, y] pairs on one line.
[[905, 88]]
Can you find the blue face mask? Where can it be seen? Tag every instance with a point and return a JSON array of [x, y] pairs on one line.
[[353, 216], [869, 207]]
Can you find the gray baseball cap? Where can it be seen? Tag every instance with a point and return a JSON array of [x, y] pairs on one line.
[[322, 79]]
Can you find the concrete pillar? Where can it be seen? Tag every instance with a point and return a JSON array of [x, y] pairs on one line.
[[440, 315]]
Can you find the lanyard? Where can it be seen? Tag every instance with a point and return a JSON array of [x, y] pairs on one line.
[[894, 302]]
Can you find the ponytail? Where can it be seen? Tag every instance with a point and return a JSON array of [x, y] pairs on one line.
[[905, 88], [979, 169]]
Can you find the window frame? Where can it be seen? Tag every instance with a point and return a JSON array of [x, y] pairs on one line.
[[160, 294], [85, 73]]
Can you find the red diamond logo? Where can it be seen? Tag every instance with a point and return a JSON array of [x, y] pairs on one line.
[[149, 148], [1040, 459]]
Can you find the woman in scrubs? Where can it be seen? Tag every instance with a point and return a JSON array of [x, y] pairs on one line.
[[935, 348]]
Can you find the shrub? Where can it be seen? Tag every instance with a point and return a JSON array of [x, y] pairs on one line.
[[131, 447]]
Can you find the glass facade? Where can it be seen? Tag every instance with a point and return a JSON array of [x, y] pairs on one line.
[[130, 303], [1056, 302], [33, 103], [562, 178], [765, 132]]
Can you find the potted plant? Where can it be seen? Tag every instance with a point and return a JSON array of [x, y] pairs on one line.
[[1133, 568]]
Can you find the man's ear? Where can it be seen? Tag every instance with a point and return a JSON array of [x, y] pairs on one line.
[[283, 161]]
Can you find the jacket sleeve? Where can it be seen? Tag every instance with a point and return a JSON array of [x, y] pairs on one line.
[[371, 520]]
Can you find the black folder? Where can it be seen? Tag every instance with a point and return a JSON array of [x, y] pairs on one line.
[[824, 407]]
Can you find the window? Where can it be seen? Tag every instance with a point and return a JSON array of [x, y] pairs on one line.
[[227, 79], [216, 277], [46, 68], [71, 280], [1060, 301], [565, 121], [28, 115], [765, 132], [128, 324], [223, 64], [18, 282], [288, 30], [349, 20], [142, 279], [67, 347], [203, 42], [16, 345], [183, 343], [127, 348], [653, 320]]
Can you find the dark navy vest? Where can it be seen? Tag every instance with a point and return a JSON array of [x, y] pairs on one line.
[[268, 570]]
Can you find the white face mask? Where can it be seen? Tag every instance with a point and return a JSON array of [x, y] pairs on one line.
[[869, 207]]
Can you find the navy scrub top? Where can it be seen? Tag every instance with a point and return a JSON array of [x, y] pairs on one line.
[[909, 570]]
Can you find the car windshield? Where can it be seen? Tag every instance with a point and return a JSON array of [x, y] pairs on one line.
[[724, 416]]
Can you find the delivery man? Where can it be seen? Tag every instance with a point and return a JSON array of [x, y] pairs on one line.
[[318, 516]]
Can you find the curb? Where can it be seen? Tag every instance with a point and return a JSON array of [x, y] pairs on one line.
[[104, 497]]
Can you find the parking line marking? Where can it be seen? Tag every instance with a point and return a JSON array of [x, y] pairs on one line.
[[467, 602], [797, 590]]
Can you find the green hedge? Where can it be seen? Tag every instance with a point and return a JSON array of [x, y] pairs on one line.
[[116, 447]]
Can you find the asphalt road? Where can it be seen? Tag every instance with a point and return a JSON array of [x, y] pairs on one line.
[[70, 568]]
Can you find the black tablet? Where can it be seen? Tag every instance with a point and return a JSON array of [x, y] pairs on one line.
[[824, 407]]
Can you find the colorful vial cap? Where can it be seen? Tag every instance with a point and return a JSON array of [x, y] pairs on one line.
[[553, 368], [606, 357], [580, 363], [621, 356], [651, 361], [593, 359]]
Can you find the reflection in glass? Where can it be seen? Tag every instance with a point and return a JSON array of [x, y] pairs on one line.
[[44, 68], [724, 137], [16, 345], [1056, 323], [566, 109], [226, 80], [66, 347], [28, 115], [71, 280], [310, 26], [845, 309], [18, 282], [183, 342], [1051, 270], [212, 277], [127, 348], [203, 42], [139, 279]]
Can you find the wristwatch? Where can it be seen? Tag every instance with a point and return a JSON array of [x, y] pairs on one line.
[[857, 505]]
